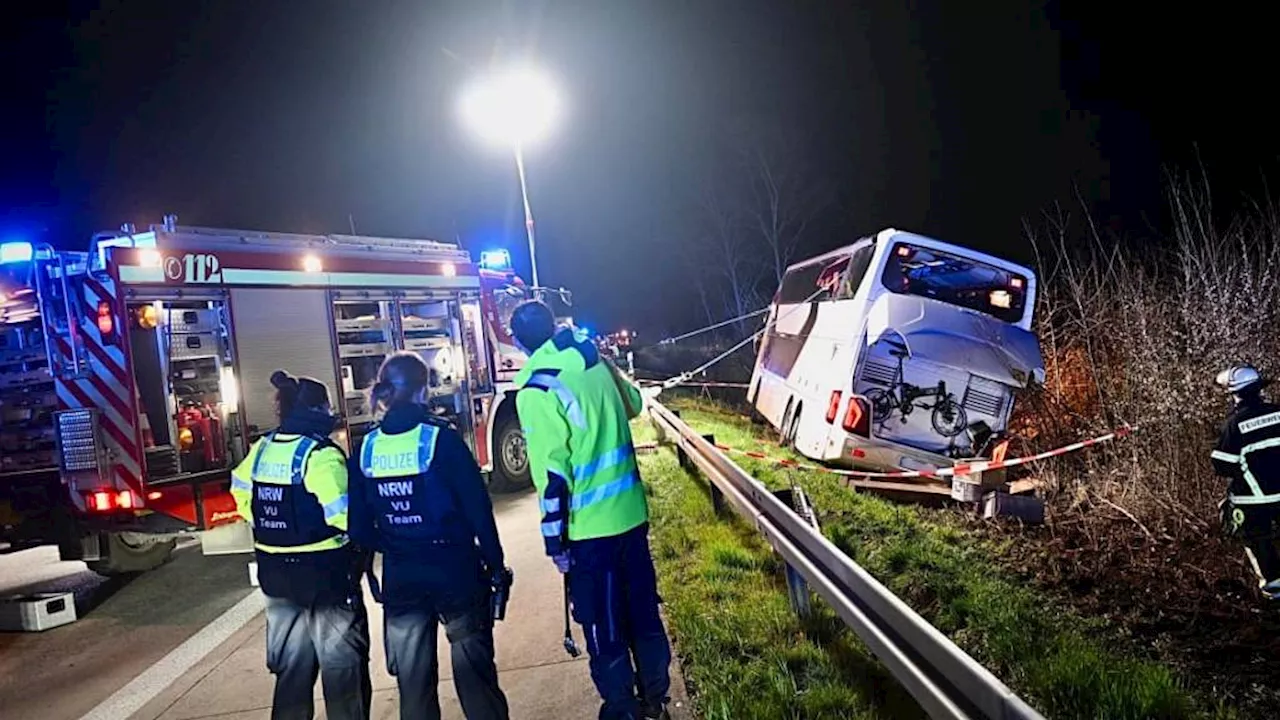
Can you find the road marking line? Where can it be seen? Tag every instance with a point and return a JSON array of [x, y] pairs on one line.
[[151, 682]]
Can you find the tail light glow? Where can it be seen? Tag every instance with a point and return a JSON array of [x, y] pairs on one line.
[[100, 501], [106, 323], [106, 500], [833, 407], [857, 417]]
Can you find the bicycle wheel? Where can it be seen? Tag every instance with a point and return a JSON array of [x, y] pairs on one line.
[[949, 419], [882, 404]]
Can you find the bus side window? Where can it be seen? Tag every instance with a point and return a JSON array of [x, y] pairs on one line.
[[854, 274]]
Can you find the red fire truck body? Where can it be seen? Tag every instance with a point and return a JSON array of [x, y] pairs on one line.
[[160, 346]]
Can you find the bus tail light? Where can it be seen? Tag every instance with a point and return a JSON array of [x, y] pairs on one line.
[[857, 417], [833, 407]]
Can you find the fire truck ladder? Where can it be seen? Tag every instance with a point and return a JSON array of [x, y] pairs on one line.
[[62, 313]]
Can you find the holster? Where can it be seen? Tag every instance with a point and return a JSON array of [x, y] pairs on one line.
[[500, 593]]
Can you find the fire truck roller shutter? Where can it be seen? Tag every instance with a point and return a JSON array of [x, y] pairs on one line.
[[280, 329]]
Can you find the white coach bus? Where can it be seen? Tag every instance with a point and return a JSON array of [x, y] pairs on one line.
[[898, 351]]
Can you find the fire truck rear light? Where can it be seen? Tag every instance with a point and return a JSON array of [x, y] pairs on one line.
[[833, 407], [154, 495], [125, 500], [100, 501], [857, 418]]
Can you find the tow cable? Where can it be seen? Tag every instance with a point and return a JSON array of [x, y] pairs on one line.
[[684, 377]]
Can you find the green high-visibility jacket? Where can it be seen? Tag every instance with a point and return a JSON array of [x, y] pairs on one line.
[[574, 416]]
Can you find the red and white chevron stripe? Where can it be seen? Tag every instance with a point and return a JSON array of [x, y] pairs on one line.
[[107, 385]]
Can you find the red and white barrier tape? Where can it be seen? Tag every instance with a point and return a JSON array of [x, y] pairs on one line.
[[961, 469]]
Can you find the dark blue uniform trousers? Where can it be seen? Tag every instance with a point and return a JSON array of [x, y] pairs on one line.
[[410, 635], [615, 599], [329, 641]]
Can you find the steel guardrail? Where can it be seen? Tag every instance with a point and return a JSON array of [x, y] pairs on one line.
[[944, 679]]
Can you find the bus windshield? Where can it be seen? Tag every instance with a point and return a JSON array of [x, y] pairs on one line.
[[956, 280]]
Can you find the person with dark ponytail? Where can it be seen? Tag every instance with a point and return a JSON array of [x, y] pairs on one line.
[[292, 488], [418, 498]]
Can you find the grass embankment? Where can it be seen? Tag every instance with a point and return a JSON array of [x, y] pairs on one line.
[[747, 656]]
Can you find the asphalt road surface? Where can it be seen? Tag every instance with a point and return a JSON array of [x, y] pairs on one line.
[[124, 626]]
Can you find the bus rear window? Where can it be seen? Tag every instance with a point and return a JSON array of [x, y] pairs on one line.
[[955, 280]]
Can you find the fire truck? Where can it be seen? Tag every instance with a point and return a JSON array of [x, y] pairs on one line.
[[135, 375]]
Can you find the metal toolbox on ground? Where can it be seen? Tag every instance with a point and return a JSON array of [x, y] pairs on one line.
[[35, 613]]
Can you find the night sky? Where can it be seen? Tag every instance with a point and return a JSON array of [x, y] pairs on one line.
[[959, 120]]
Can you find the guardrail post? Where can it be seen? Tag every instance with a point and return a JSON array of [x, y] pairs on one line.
[[797, 589], [717, 496]]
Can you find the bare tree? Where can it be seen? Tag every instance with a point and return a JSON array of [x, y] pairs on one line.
[[727, 250], [781, 194]]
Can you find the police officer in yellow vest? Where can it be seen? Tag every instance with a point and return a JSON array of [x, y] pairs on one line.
[[574, 410], [418, 498], [292, 488]]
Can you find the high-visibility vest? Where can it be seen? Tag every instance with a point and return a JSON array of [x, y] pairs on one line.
[[287, 517], [415, 517], [605, 496]]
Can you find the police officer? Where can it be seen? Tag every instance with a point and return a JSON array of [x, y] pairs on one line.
[[292, 488], [1248, 452], [419, 499], [574, 409]]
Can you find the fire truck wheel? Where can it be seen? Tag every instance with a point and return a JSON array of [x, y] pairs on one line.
[[511, 457], [129, 552]]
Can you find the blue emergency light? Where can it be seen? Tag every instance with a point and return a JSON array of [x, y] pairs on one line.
[[16, 252], [498, 259]]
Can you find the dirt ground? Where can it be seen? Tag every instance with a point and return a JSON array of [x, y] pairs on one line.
[[1191, 603]]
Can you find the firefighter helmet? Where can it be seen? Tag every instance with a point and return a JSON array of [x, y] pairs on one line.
[[1239, 377]]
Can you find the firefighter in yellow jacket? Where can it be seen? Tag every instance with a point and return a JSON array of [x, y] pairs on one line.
[[292, 488], [574, 410]]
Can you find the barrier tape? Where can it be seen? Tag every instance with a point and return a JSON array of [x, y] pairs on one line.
[[656, 383], [961, 469]]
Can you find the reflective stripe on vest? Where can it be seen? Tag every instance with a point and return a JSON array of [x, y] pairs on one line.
[[404, 454], [552, 384], [604, 462], [1257, 497], [604, 492], [1225, 457], [287, 517], [278, 473]]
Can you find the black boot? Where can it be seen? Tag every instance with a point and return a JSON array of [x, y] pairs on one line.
[[652, 711]]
